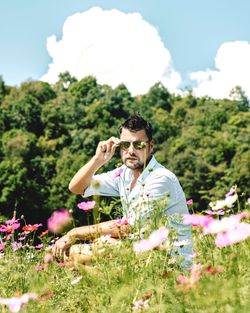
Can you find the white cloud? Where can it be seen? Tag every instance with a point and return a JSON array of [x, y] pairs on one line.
[[113, 46], [232, 63]]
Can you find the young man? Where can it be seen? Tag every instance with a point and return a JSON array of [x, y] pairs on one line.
[[139, 183]]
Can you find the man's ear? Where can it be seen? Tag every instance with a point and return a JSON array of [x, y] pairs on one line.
[[151, 146]]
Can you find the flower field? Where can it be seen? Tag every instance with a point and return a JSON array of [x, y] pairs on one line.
[[134, 275]]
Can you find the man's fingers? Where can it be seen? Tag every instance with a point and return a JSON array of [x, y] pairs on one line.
[[107, 148], [103, 146], [58, 249], [113, 143], [113, 148]]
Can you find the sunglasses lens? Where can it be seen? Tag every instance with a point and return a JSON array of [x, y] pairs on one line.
[[139, 145], [124, 145]]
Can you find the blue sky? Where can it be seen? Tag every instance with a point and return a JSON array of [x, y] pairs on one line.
[[192, 32]]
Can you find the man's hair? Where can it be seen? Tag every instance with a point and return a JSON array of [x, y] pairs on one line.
[[135, 123]]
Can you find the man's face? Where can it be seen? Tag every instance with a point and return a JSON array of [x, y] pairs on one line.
[[133, 157]]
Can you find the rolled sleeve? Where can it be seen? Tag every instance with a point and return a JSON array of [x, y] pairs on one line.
[[104, 185]]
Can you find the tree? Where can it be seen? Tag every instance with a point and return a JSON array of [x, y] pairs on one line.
[[22, 113], [3, 89], [239, 95]]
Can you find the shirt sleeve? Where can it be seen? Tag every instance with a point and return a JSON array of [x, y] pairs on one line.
[[103, 184]]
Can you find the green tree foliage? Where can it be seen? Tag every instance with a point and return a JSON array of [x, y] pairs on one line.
[[48, 132], [3, 90]]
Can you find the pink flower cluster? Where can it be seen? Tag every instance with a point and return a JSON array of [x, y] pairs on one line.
[[86, 205], [121, 221], [154, 240], [196, 272], [59, 220], [15, 304], [139, 305], [118, 172], [240, 232], [2, 245], [10, 226], [197, 220], [228, 230], [195, 275]]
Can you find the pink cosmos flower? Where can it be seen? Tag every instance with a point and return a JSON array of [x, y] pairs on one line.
[[39, 246], [15, 304], [118, 172], [190, 202], [48, 258], [142, 246], [182, 279], [238, 234], [197, 220], [225, 224], [16, 245], [40, 267], [59, 220], [86, 205], [154, 240], [9, 228], [139, 305], [195, 275], [121, 221], [8, 236], [231, 192], [2, 245], [219, 212], [12, 221]]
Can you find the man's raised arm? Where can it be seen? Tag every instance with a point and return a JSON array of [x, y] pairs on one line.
[[104, 152]]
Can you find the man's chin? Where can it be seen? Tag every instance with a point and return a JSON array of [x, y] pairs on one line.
[[133, 164]]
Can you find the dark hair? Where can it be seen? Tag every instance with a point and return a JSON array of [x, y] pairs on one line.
[[135, 123]]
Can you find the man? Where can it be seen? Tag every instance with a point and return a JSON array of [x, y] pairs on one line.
[[140, 182]]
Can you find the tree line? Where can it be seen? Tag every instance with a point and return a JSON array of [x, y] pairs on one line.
[[47, 132]]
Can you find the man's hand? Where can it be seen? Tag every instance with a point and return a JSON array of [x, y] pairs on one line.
[[61, 246], [106, 149], [104, 152]]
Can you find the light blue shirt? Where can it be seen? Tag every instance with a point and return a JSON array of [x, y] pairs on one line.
[[156, 184]]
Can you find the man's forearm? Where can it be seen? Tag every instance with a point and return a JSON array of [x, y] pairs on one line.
[[105, 228], [83, 177]]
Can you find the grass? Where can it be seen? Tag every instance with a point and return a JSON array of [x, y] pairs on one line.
[[120, 277]]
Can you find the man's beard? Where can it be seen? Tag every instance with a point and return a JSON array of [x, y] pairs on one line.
[[134, 166], [138, 165]]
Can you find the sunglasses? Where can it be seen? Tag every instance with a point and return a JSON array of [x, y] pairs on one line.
[[138, 145]]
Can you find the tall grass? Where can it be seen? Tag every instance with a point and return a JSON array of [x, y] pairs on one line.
[[119, 278]]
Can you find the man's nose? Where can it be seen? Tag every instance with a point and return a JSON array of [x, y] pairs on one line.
[[131, 149]]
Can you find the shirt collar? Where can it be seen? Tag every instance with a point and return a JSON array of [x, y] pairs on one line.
[[152, 163]]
